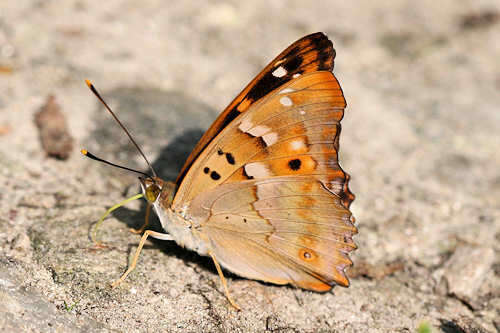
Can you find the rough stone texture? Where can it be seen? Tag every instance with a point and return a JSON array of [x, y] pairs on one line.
[[420, 139], [464, 272]]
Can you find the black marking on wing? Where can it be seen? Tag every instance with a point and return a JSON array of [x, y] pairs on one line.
[[294, 164], [214, 175], [230, 117], [230, 158]]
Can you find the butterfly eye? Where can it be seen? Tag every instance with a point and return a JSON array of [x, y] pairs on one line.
[[152, 192]]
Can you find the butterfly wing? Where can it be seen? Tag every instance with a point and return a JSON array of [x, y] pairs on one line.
[[280, 230], [267, 192], [309, 54]]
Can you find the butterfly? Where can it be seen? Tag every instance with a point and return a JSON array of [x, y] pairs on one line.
[[263, 193]]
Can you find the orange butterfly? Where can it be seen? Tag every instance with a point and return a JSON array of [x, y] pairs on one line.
[[263, 193]]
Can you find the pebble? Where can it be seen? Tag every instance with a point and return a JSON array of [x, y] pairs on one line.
[[465, 271]]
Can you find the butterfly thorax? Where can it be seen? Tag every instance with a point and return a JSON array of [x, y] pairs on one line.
[[176, 222]]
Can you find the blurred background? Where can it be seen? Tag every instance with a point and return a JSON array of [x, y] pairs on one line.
[[420, 140]]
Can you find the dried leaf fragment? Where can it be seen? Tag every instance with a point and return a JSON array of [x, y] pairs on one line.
[[54, 134]]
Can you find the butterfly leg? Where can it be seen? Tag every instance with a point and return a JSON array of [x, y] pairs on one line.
[[146, 221], [154, 234], [224, 283]]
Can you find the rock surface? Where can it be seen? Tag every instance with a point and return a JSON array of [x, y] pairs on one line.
[[420, 139]]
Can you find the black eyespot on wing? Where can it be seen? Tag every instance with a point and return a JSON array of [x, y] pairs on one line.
[[206, 170], [219, 151], [214, 175], [230, 158], [294, 164]]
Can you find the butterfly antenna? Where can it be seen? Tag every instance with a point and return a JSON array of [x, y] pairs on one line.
[[95, 158], [96, 93]]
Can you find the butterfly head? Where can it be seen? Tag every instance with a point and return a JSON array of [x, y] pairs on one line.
[[155, 189]]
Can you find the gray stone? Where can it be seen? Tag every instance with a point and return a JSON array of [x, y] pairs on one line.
[[466, 270]]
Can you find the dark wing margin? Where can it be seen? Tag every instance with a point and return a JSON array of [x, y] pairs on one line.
[[311, 53]]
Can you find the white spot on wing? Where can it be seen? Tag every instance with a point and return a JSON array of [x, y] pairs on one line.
[[302, 112], [257, 170], [296, 75], [286, 101], [297, 144], [270, 138], [258, 130], [287, 90], [279, 72], [245, 125]]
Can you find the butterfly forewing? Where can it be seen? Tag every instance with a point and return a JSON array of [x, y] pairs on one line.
[[265, 186], [309, 54]]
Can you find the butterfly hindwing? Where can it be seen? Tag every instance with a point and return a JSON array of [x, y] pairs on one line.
[[281, 230]]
